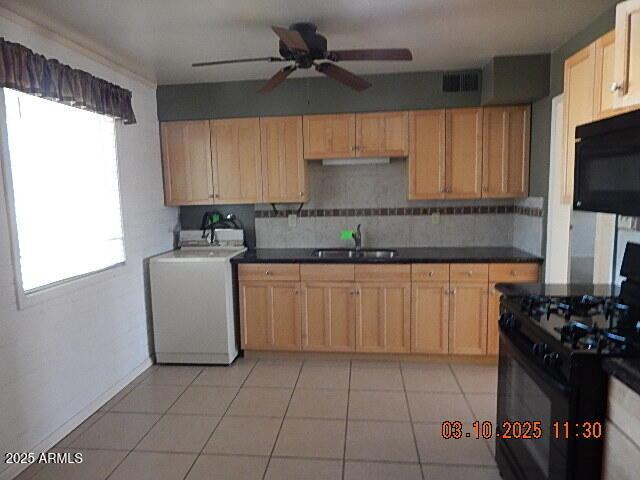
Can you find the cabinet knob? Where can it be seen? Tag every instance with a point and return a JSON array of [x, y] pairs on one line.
[[452, 291], [616, 87], [514, 273], [268, 272], [217, 195], [469, 273], [302, 194], [430, 274]]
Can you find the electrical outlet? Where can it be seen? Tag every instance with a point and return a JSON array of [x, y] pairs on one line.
[[293, 220], [435, 218]]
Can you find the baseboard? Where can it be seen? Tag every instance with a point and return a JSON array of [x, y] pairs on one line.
[[64, 430], [407, 357]]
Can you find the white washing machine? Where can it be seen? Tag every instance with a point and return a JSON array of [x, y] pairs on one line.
[[193, 307]]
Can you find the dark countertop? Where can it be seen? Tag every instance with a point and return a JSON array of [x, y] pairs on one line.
[[557, 290], [404, 255], [627, 370]]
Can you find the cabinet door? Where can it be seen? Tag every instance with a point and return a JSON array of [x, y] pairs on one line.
[[427, 154], [579, 85], [382, 134], [505, 159], [464, 153], [383, 322], [468, 318], [604, 98], [627, 54], [493, 331], [283, 165], [235, 145], [270, 315], [430, 317], [186, 162], [328, 317], [329, 136]]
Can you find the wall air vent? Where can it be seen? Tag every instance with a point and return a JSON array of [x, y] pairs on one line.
[[460, 82]]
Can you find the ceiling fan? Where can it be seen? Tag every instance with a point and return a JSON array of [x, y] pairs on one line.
[[301, 44]]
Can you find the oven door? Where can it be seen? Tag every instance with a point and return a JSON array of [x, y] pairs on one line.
[[526, 392]]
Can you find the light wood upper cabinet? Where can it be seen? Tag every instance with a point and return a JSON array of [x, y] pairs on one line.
[[328, 316], [430, 317], [383, 317], [270, 315], [468, 318], [579, 87], [329, 136], [627, 54], [382, 134], [505, 159], [235, 148], [603, 97], [463, 153], [186, 161], [426, 160], [284, 176]]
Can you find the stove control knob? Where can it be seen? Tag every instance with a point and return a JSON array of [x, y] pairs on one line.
[[540, 348], [507, 321], [551, 360]]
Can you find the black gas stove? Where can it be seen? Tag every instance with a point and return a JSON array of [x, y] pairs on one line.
[[553, 339]]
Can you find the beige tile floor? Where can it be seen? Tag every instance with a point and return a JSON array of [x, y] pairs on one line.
[[270, 419]]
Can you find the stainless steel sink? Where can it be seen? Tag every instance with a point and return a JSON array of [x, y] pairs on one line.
[[352, 253]]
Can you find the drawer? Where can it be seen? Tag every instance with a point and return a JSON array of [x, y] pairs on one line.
[[430, 272], [513, 272], [269, 271], [469, 272], [327, 272], [383, 273]]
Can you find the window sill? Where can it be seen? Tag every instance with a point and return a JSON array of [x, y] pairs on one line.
[[66, 287]]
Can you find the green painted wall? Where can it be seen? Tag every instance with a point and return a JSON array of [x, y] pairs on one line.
[[307, 95], [515, 79]]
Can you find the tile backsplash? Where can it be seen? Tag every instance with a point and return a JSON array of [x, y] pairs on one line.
[[375, 197]]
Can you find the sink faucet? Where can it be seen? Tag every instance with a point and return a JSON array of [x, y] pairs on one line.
[[357, 237]]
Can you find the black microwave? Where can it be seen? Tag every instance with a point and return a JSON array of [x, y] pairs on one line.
[[607, 166]]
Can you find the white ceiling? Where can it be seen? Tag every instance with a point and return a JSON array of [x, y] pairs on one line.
[[163, 37]]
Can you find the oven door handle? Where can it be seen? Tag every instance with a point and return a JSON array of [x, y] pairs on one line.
[[528, 362]]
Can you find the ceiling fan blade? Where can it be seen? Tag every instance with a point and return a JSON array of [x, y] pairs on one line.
[[238, 60], [371, 54], [277, 79], [343, 76], [292, 39]]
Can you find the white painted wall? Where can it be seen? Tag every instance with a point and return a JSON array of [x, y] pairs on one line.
[[59, 360]]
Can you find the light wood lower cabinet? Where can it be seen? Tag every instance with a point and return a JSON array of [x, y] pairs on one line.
[[468, 318], [383, 313], [270, 315], [429, 309], [430, 317], [328, 316]]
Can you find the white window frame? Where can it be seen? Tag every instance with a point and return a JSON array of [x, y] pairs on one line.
[[63, 287]]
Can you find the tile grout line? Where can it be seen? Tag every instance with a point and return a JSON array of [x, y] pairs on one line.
[[413, 429], [220, 419], [275, 442], [346, 423], [466, 400], [154, 423]]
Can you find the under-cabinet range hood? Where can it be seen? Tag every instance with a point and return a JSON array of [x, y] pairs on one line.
[[335, 162]]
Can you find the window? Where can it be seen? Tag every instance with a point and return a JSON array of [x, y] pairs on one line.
[[66, 199]]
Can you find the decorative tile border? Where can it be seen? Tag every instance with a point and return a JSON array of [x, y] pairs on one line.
[[403, 211]]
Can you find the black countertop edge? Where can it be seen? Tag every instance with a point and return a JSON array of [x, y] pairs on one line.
[[627, 370], [404, 255]]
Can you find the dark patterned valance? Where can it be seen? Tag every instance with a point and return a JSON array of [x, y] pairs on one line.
[[29, 72]]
